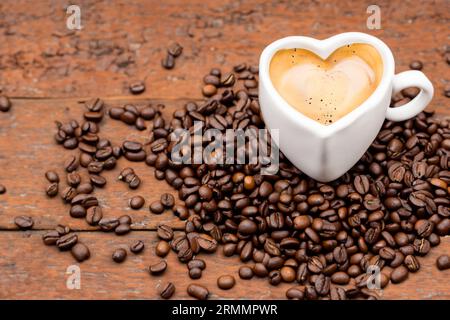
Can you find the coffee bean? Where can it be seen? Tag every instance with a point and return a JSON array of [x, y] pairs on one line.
[[156, 207], [295, 293], [119, 255], [51, 191], [412, 263], [340, 278], [247, 227], [122, 229], [158, 267], [167, 290], [226, 282], [77, 211], [52, 176], [168, 62], [80, 252], [245, 272], [399, 274], [322, 285], [2, 189], [167, 200], [443, 262], [162, 249], [97, 180], [137, 87], [195, 273], [108, 224], [175, 49], [50, 238], [137, 246], [67, 241], [288, 274], [416, 65], [137, 202], [198, 292], [94, 215], [165, 232], [361, 184], [24, 222], [5, 103]]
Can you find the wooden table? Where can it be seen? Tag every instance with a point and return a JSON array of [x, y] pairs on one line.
[[47, 69]]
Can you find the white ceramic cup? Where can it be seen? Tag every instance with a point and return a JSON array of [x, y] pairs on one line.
[[326, 152]]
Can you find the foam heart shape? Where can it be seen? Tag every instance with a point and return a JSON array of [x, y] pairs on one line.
[[325, 90]]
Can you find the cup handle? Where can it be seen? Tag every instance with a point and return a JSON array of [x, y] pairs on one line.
[[406, 79]]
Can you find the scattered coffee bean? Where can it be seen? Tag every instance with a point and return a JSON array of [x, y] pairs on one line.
[[5, 103], [162, 248], [137, 87], [195, 273], [24, 222], [167, 290], [416, 65], [80, 252], [245, 272], [119, 255], [137, 247], [198, 292], [156, 207], [137, 202], [67, 241], [158, 267], [226, 282], [443, 262]]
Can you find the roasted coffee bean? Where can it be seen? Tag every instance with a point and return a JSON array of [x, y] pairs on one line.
[[340, 278], [443, 262], [52, 190], [322, 285], [195, 273], [137, 87], [175, 49], [94, 215], [5, 103], [288, 274], [24, 222], [137, 246], [295, 293], [67, 241], [119, 255], [167, 290], [52, 176], [162, 249], [416, 65], [50, 238], [156, 207], [167, 200], [2, 189], [196, 263], [137, 202], [168, 62], [77, 211], [226, 282], [412, 263], [122, 229], [158, 267], [399, 274], [108, 224], [245, 272], [198, 292], [165, 232], [71, 164], [80, 252], [97, 180], [337, 293], [247, 227]]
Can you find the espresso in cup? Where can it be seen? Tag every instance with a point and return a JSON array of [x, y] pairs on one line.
[[326, 90]]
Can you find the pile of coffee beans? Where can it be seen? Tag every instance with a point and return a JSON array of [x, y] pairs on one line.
[[173, 52], [389, 209]]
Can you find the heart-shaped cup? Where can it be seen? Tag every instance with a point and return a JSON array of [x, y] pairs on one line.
[[325, 152]]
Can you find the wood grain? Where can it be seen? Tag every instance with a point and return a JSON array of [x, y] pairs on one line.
[[48, 70]]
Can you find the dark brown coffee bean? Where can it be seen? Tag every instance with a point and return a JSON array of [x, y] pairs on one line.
[[137, 246], [167, 290], [168, 62], [122, 229], [116, 113], [167, 200], [119, 255], [338, 293], [245, 272], [315, 265], [158, 267], [5, 103], [175, 49], [198, 292], [137, 202], [71, 164], [443, 262], [67, 241], [195, 273], [288, 274], [165, 232], [416, 65], [399, 274], [52, 190], [52, 176], [412, 263], [108, 224], [156, 207], [295, 293], [80, 252], [77, 211], [97, 180], [361, 184], [50, 238], [340, 278], [94, 215], [137, 87], [162, 249], [247, 227], [226, 282], [322, 285], [24, 222]]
